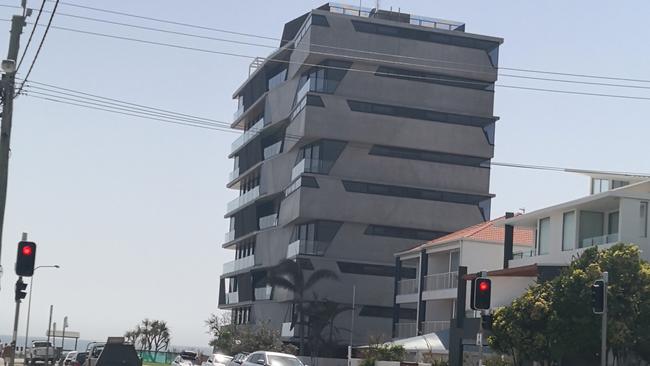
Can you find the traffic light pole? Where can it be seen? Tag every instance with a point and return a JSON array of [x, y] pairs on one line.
[[479, 342], [603, 342], [14, 336]]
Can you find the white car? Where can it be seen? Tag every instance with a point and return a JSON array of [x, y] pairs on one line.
[[185, 358], [217, 359], [263, 358]]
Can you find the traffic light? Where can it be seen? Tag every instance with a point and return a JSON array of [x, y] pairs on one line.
[[598, 296], [481, 293], [26, 258], [20, 289], [486, 321]]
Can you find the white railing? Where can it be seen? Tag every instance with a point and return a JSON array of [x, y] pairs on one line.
[[286, 330], [406, 287], [306, 247], [272, 150], [247, 135], [524, 254], [600, 240], [232, 297], [406, 330], [233, 174], [244, 199], [230, 236], [440, 281], [239, 264], [435, 326], [268, 221], [311, 166], [263, 293]]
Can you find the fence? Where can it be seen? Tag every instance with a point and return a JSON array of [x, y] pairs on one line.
[[157, 357]]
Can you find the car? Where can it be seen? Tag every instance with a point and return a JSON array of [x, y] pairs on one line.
[[41, 351], [217, 359], [238, 359], [264, 358], [79, 359], [93, 351], [66, 357], [185, 358]]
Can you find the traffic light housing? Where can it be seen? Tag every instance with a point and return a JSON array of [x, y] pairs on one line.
[[486, 321], [26, 258], [481, 294], [20, 289], [598, 296]]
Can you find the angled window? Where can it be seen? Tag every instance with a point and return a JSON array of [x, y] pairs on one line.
[[433, 78], [432, 156]]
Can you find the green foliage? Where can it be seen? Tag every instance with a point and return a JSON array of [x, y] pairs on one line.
[[554, 321], [232, 339], [383, 352], [151, 335]]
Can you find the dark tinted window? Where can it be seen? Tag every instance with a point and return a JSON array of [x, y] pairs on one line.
[[316, 230], [433, 78], [423, 114], [315, 100], [416, 193], [433, 156], [406, 233], [317, 19], [308, 181]]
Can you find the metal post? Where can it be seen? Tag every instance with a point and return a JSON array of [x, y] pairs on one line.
[[479, 340], [65, 324], [49, 332], [354, 298], [603, 343], [29, 309], [7, 87], [53, 342], [14, 335]]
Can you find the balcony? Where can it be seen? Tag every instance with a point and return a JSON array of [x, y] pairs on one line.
[[306, 247], [244, 199], [233, 174], [268, 221], [239, 264], [287, 331], [263, 293], [311, 166], [406, 330], [407, 287], [232, 298], [435, 326], [441, 281], [272, 150], [230, 236], [524, 254], [247, 135], [600, 240], [238, 112]]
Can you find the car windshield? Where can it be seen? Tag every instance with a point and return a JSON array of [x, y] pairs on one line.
[[188, 356], [222, 358], [275, 360], [42, 344]]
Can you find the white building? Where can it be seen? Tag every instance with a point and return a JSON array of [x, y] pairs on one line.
[[425, 301]]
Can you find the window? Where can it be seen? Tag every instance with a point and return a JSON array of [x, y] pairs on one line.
[[432, 156], [373, 269], [316, 231], [322, 79], [599, 185], [569, 230], [544, 236], [432, 78], [454, 261], [643, 215], [591, 228], [276, 360], [402, 232], [319, 157], [302, 181], [612, 223], [619, 183]]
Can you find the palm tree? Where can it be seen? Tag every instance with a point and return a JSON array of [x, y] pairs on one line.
[[289, 276], [322, 314]]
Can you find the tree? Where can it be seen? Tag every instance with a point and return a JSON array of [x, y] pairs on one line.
[[553, 321], [289, 275], [321, 314], [151, 335], [232, 339]]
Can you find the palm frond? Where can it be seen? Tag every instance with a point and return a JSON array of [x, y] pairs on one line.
[[320, 275]]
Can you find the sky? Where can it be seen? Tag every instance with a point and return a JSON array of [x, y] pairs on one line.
[[132, 210]]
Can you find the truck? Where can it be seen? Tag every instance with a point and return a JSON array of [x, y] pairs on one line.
[[41, 351], [116, 351]]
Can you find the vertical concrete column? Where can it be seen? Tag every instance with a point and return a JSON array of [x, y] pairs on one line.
[[396, 310], [422, 305]]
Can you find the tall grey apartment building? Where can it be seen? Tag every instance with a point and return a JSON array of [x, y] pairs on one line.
[[365, 133]]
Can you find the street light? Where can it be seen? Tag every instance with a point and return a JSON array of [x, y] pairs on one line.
[[29, 306]]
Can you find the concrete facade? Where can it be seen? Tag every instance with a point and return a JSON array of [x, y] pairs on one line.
[[358, 141]]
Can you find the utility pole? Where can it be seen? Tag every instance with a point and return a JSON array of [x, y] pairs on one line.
[[7, 87], [603, 341], [49, 331]]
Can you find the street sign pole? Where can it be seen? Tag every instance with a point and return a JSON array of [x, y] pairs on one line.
[[603, 343], [14, 336]]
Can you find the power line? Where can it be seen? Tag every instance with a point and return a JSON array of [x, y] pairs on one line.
[[342, 48], [29, 41], [40, 46]]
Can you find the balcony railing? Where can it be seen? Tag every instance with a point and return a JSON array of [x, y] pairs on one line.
[[248, 135], [523, 254], [232, 297], [406, 287], [238, 113], [600, 240], [435, 326], [263, 293], [441, 281], [230, 236], [406, 330], [306, 247], [311, 166], [268, 221], [239, 264], [244, 199], [272, 150], [233, 174]]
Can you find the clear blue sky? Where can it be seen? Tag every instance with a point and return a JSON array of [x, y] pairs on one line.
[[133, 209]]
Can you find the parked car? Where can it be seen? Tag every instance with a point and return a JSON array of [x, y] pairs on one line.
[[238, 359], [93, 351], [264, 358], [79, 359], [217, 359], [66, 357], [185, 358], [41, 351]]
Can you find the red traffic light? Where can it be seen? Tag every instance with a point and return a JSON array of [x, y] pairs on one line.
[[483, 286], [27, 250]]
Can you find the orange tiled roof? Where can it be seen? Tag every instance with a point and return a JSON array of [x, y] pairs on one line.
[[485, 232]]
